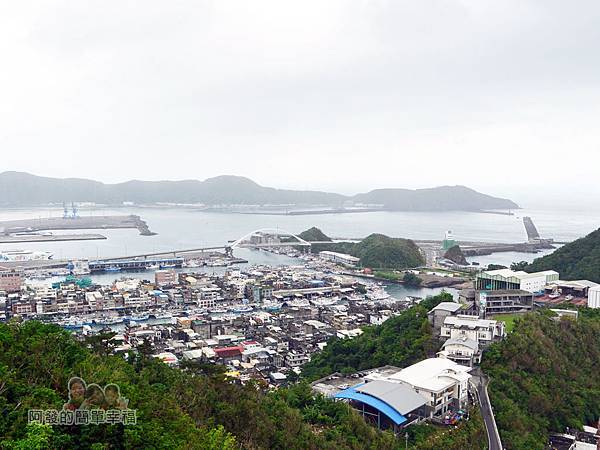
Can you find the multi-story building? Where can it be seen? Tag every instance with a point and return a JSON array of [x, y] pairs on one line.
[[504, 279], [165, 278], [479, 330], [504, 301], [11, 281], [461, 350], [438, 314], [296, 359]]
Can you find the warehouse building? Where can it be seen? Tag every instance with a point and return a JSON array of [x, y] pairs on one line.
[[506, 279]]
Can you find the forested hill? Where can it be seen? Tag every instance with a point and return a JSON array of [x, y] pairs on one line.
[[375, 251], [545, 377], [194, 408], [23, 189], [578, 260], [314, 234]]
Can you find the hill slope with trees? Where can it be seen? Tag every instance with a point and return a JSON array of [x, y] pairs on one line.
[[194, 408], [545, 377], [577, 260], [375, 251], [314, 234]]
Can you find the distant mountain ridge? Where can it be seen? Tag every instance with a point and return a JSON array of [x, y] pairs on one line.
[[23, 189]]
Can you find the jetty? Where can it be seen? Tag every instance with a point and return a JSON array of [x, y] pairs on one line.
[[30, 238], [31, 226]]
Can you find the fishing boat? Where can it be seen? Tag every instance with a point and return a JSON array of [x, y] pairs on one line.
[[163, 315], [72, 323], [108, 321], [112, 269], [242, 308], [140, 317], [325, 301], [272, 306], [24, 255]]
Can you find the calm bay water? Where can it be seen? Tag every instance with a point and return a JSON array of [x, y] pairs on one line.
[[184, 228]]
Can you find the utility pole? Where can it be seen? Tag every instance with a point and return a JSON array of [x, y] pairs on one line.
[[406, 438]]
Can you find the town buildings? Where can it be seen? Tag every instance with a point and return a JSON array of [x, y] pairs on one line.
[[393, 398], [11, 280]]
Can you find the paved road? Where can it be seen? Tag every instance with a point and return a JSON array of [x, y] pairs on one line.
[[480, 382]]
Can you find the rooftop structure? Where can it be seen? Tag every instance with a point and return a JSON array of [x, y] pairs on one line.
[[479, 330], [384, 402], [437, 315], [462, 350], [433, 374], [339, 257], [510, 279]]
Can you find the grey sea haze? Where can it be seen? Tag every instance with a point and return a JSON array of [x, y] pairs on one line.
[[180, 228]]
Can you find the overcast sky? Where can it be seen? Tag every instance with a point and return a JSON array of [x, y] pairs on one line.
[[343, 95]]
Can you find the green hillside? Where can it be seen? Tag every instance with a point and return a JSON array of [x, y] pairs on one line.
[[380, 251], [375, 251], [545, 377], [193, 408], [314, 234], [575, 261]]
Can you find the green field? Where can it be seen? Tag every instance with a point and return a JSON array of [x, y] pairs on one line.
[[508, 319]]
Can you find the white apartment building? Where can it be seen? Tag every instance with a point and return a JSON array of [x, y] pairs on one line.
[[482, 331], [461, 350]]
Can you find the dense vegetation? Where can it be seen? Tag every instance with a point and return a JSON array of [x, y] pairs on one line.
[[399, 341], [314, 234], [378, 250], [469, 435], [375, 251], [191, 408], [410, 279], [545, 377], [574, 261]]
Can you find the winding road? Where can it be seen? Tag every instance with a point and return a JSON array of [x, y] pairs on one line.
[[480, 382]]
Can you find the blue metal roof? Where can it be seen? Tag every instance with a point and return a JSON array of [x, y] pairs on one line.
[[379, 405]]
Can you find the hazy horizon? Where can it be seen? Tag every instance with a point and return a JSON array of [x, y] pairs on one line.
[[342, 96]]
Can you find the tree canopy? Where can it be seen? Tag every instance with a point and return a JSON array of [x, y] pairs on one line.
[[577, 260], [378, 251], [175, 408], [545, 377]]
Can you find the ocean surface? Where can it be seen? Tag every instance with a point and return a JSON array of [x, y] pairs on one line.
[[180, 228]]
